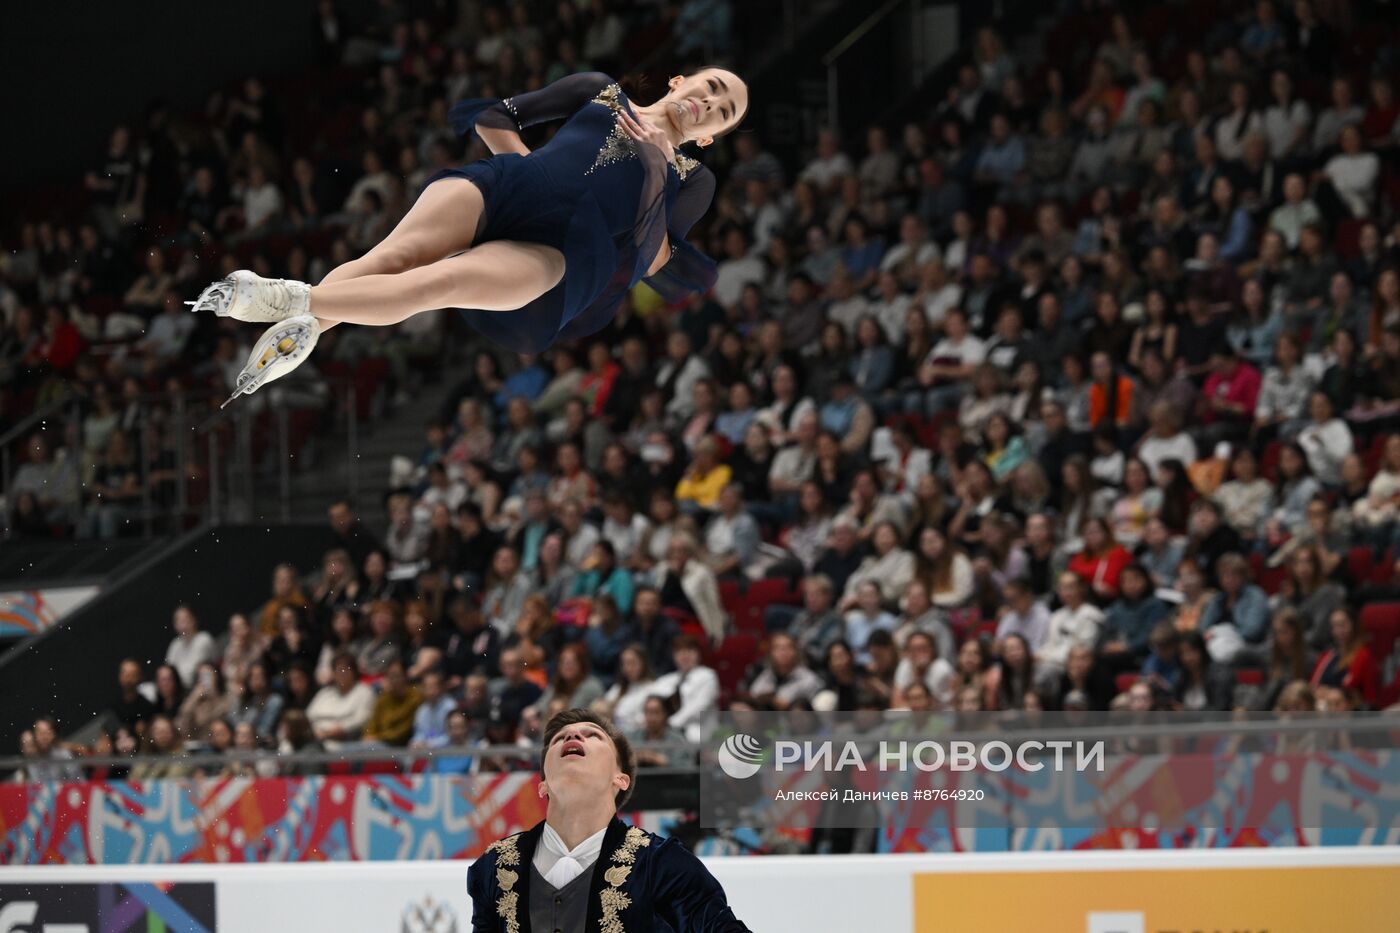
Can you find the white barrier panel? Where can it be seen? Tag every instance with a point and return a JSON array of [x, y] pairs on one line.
[[1303, 890]]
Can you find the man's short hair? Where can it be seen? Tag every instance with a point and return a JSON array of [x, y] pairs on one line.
[[626, 757]]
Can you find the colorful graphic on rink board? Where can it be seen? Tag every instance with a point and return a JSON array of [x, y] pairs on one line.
[[1213, 804], [1355, 899]]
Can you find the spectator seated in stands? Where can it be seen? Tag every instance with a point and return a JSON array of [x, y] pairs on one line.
[[343, 707]]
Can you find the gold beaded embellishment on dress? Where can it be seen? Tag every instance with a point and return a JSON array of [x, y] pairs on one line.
[[684, 165], [618, 146]]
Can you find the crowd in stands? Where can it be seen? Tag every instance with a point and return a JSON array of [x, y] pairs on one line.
[[1077, 390]]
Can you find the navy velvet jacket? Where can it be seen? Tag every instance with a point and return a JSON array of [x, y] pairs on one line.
[[641, 883]]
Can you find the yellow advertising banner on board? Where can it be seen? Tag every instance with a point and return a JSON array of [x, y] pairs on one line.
[[1218, 900]]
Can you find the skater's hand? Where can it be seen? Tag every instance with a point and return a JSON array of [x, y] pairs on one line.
[[645, 132]]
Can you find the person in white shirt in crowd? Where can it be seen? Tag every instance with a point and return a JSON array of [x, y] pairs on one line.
[[732, 535], [687, 583], [1343, 112], [1023, 615], [1296, 212], [922, 664], [845, 305], [741, 266], [1286, 119], [784, 678], [950, 363], [1353, 173], [938, 292], [190, 647], [890, 306], [830, 164], [1326, 440], [626, 699], [693, 688], [764, 215], [679, 373], [1075, 624], [1165, 439], [623, 527], [339, 711], [889, 566]]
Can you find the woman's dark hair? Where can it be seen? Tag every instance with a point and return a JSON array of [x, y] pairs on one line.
[[1176, 496]]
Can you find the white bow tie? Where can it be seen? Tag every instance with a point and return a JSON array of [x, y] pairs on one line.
[[564, 871]]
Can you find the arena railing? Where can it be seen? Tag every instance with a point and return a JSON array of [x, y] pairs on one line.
[[1167, 733]]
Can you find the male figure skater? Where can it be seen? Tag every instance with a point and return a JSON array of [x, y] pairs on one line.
[[583, 869]]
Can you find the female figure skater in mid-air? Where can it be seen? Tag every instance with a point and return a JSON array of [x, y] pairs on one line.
[[541, 246]]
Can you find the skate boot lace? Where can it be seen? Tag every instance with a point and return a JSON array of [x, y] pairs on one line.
[[276, 294]]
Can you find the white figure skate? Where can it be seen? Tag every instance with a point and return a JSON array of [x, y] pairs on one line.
[[247, 296]]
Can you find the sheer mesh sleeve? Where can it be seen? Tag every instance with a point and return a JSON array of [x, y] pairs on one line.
[[688, 270], [558, 101]]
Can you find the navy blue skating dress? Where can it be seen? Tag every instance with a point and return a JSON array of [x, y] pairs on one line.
[[596, 195]]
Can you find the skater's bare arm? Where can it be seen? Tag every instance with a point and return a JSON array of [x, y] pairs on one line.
[[663, 255], [500, 141]]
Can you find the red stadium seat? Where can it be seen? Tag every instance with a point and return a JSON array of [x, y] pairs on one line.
[[1252, 678], [1124, 682], [1384, 569], [1268, 464], [1382, 621], [1359, 564], [733, 658], [764, 593]]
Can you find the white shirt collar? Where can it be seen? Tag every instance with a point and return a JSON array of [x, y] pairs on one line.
[[551, 849]]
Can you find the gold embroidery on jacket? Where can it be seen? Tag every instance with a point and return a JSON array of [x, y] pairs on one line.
[[613, 898], [507, 856]]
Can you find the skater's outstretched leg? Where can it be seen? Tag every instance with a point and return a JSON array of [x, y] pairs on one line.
[[501, 275], [440, 223]]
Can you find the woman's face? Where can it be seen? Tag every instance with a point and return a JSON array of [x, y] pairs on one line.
[[931, 543], [631, 666], [1190, 656], [165, 681], [885, 539], [969, 658], [343, 624], [257, 679], [1340, 625], [1304, 567], [998, 431], [1013, 652], [1190, 581], [869, 599], [1095, 538], [707, 104], [568, 666], [811, 499], [838, 660]]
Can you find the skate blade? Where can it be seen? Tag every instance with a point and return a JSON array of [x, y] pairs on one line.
[[216, 297]]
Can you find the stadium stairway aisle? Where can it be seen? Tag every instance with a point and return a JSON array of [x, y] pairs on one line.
[[391, 433]]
